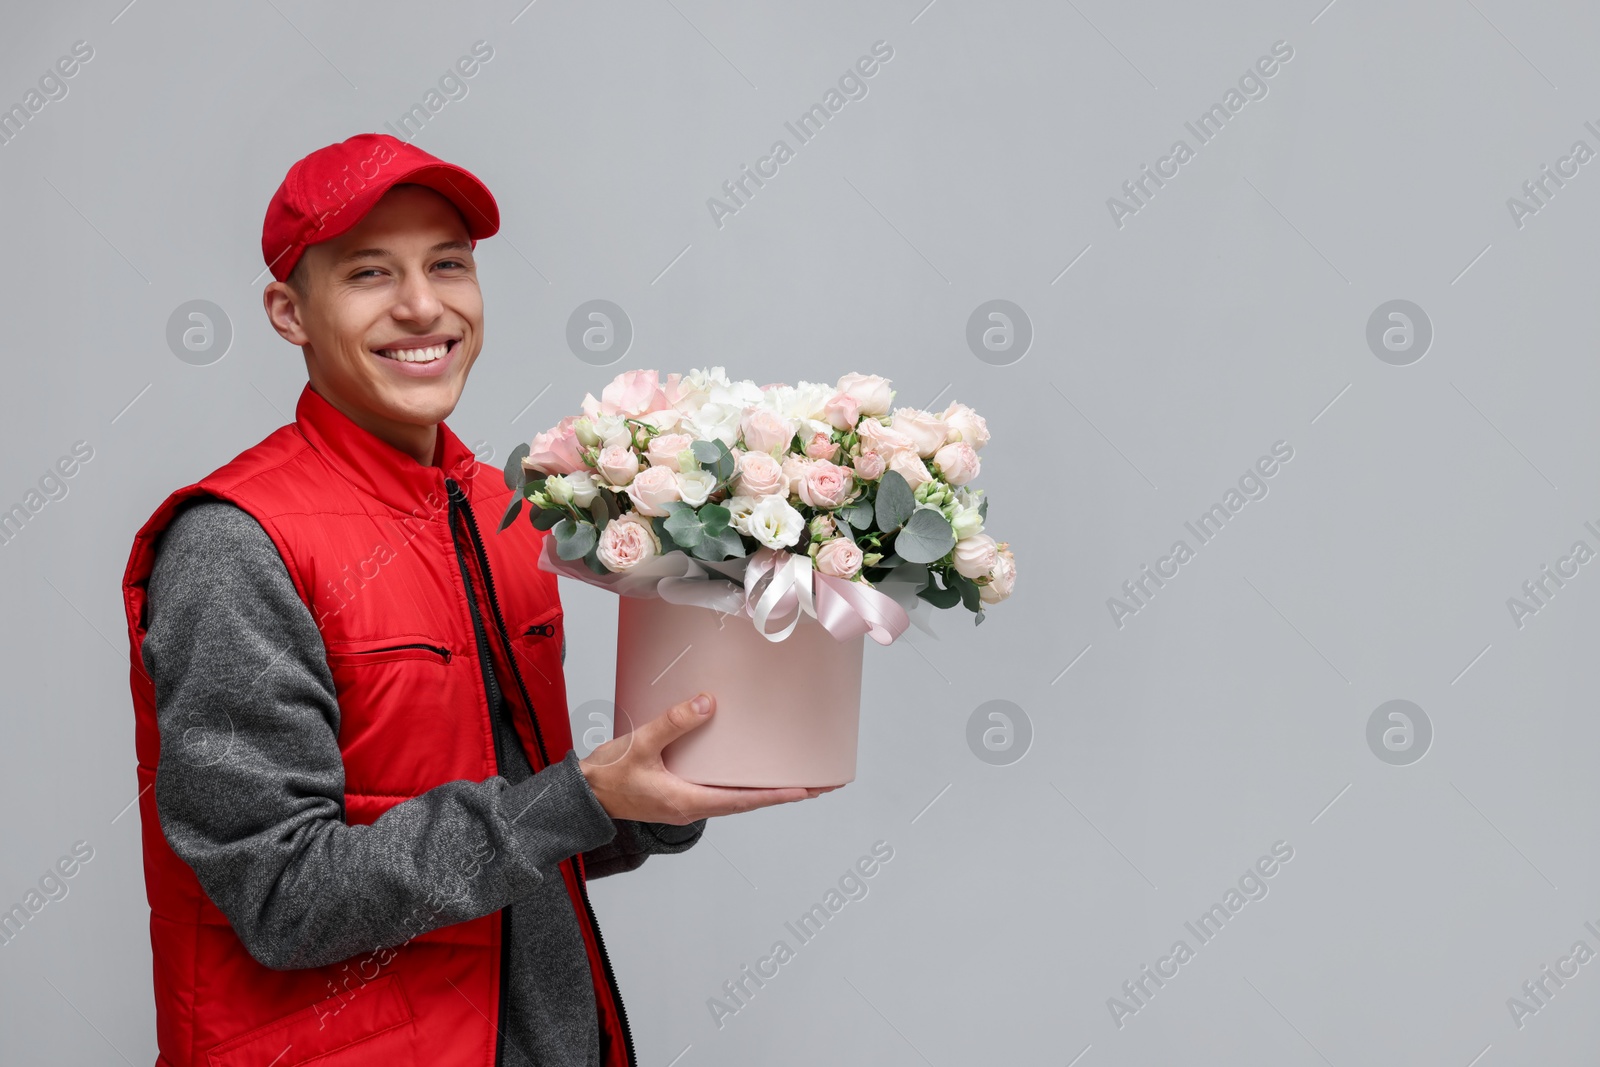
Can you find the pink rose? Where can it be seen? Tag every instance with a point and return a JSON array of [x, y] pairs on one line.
[[663, 449], [826, 485], [766, 431], [870, 392], [617, 464], [885, 440], [926, 430], [842, 412], [627, 542], [633, 393], [653, 488], [758, 474], [821, 445], [911, 467], [840, 557], [957, 462], [975, 556], [870, 466], [794, 471], [555, 451], [1001, 579], [966, 425]]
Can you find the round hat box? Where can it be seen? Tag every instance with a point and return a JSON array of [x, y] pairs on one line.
[[788, 712]]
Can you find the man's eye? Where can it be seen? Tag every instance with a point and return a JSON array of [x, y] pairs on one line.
[[451, 264], [368, 272]]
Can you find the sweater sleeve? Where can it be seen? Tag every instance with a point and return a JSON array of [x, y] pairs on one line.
[[638, 841], [250, 784]]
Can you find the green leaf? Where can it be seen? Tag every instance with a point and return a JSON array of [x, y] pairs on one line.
[[895, 502], [937, 596], [732, 543], [534, 485], [592, 558], [858, 514], [967, 588], [544, 520], [574, 539], [514, 473], [845, 531], [599, 512], [659, 524], [707, 452], [714, 456], [983, 509], [715, 519], [684, 525], [927, 536], [511, 511]]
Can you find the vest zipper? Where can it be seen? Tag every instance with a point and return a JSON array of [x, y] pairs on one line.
[[441, 651], [458, 501]]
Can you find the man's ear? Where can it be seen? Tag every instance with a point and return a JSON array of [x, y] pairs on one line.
[[282, 304]]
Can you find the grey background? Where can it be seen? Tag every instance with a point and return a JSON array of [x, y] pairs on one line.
[[1228, 314]]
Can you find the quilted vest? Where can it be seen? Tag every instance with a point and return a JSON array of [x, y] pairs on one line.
[[366, 534]]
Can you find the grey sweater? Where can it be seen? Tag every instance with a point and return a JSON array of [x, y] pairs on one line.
[[250, 794]]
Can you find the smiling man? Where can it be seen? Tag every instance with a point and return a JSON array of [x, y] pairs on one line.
[[366, 832]]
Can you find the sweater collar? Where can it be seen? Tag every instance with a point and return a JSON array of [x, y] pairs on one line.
[[376, 466]]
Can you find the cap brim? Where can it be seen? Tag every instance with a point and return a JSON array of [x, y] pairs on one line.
[[470, 196]]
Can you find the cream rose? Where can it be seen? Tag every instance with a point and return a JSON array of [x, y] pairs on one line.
[[663, 449], [627, 542], [840, 557], [957, 462], [555, 451], [695, 486], [870, 392], [975, 556], [1002, 578], [758, 474], [794, 471], [842, 412], [767, 431], [826, 485], [966, 425], [618, 464], [775, 523], [884, 440], [911, 467], [926, 430], [653, 488], [821, 445]]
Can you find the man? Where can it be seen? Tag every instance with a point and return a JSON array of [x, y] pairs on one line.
[[368, 833]]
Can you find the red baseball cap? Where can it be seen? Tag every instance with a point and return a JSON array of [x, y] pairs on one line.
[[329, 191]]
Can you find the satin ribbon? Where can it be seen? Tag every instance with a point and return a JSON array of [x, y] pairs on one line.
[[768, 584]]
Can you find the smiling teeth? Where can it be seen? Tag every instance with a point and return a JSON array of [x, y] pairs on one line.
[[415, 355]]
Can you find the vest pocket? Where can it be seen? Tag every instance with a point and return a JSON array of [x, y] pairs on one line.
[[363, 1025]]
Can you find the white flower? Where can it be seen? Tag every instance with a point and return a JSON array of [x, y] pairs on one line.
[[739, 507], [694, 486], [612, 431], [965, 521], [775, 523], [583, 488]]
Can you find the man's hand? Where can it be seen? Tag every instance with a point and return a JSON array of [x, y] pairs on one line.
[[630, 780]]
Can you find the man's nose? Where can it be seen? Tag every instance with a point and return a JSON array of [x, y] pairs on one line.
[[416, 300]]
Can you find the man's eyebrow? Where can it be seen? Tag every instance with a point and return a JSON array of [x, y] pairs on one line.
[[377, 253]]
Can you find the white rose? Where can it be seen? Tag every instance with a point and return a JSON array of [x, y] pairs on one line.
[[870, 392], [965, 521], [759, 474], [583, 488], [975, 556], [612, 430], [775, 523], [695, 486]]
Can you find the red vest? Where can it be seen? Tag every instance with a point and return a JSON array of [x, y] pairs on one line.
[[365, 532]]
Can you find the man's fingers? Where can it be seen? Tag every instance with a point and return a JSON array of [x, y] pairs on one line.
[[678, 720]]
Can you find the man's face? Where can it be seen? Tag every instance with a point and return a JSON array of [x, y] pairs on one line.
[[390, 317]]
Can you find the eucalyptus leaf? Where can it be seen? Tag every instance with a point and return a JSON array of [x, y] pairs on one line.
[[544, 520], [858, 514], [684, 525], [707, 451], [658, 523], [938, 596], [845, 531], [967, 588], [732, 543], [592, 558], [927, 536], [512, 511], [574, 539], [895, 502], [514, 473], [534, 485], [715, 519], [599, 512], [983, 509]]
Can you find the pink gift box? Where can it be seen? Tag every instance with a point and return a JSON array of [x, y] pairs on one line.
[[788, 712]]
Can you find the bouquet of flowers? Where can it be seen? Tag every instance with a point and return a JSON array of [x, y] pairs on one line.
[[820, 498]]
